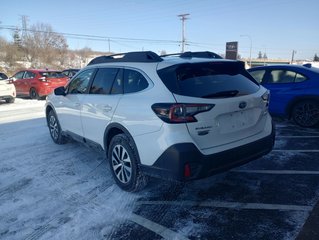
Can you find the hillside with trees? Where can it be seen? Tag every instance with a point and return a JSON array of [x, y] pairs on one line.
[[40, 47]]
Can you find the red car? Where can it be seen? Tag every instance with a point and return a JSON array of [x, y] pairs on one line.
[[37, 83]]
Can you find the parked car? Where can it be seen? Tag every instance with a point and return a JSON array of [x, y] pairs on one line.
[[169, 117], [294, 91], [70, 72], [37, 83], [7, 89]]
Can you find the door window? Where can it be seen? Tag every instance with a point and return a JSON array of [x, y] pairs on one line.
[[103, 81], [29, 75], [258, 75], [281, 76], [19, 75], [80, 84], [117, 87]]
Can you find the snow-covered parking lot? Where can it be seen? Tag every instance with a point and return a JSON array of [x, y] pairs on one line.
[[50, 191]]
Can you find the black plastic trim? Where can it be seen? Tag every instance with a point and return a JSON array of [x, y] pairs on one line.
[[143, 56], [118, 126], [170, 165], [204, 54]]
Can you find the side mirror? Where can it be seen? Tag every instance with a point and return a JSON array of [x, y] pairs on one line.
[[12, 79], [60, 91]]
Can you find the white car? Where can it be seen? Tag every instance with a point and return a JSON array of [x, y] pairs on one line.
[[176, 117], [7, 89]]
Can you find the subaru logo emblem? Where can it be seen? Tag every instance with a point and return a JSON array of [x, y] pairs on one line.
[[242, 105]]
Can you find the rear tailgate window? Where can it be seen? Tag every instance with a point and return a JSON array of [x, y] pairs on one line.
[[209, 79], [52, 74]]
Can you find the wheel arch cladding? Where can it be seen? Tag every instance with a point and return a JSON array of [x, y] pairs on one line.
[[114, 129]]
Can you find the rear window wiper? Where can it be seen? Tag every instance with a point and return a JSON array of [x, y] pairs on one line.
[[230, 93]]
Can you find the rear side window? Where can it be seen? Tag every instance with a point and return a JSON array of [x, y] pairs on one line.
[[103, 81], [3, 76], [134, 81], [300, 78], [209, 80]]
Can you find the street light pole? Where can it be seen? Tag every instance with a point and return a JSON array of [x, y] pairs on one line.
[[251, 44]]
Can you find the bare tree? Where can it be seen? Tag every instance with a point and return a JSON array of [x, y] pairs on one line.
[[43, 47], [84, 54], [9, 56]]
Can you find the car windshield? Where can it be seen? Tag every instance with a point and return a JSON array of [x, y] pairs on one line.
[[209, 80], [52, 74]]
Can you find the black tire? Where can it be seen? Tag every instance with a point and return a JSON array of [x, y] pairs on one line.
[[33, 94], [122, 157], [10, 100], [55, 129], [306, 113]]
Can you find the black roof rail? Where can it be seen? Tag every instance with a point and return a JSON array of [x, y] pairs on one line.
[[144, 56], [205, 54]]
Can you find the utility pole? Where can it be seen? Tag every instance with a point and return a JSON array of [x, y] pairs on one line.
[[183, 17], [24, 21], [251, 44], [293, 55]]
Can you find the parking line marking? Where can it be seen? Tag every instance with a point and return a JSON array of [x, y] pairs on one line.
[[235, 205], [156, 228], [298, 150], [299, 130], [292, 172], [312, 136]]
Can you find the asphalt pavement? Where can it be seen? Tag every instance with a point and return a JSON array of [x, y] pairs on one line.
[[50, 191]]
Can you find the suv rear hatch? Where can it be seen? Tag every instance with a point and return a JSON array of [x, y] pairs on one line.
[[55, 78], [225, 102]]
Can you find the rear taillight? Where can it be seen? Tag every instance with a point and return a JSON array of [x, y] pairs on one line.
[[179, 112], [265, 97], [43, 79]]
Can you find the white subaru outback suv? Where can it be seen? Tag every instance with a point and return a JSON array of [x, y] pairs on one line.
[[179, 117]]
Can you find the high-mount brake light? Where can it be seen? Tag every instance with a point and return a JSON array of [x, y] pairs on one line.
[[180, 112]]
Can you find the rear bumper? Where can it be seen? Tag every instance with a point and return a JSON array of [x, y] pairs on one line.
[[48, 88], [171, 164], [44, 91]]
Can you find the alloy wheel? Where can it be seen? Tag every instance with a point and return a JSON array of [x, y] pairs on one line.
[[54, 128], [306, 114], [121, 163]]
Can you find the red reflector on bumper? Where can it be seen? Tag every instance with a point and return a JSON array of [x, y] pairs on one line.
[[187, 170]]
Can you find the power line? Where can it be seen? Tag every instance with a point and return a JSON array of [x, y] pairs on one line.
[[94, 37]]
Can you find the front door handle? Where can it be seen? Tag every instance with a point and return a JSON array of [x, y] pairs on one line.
[[106, 108]]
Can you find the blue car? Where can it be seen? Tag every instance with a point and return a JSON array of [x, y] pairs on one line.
[[294, 91]]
